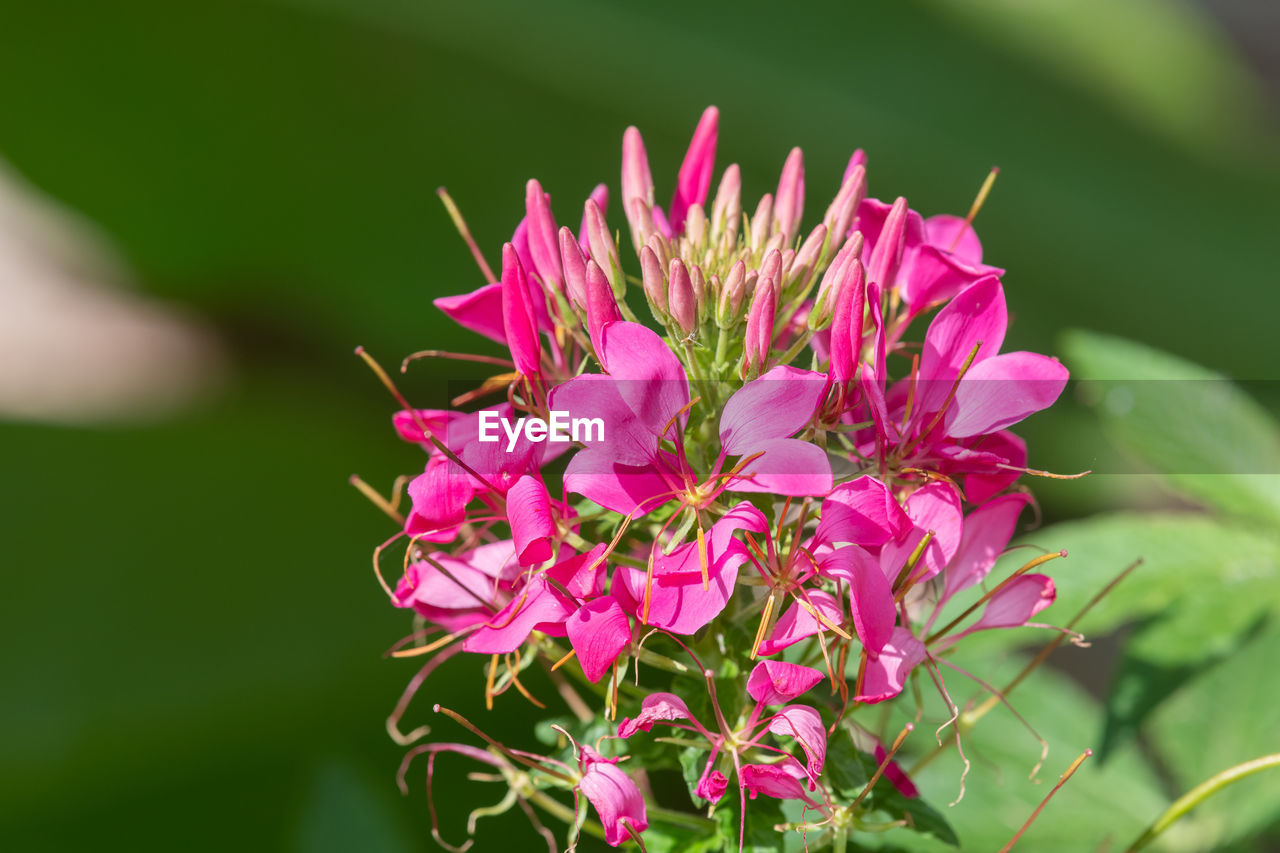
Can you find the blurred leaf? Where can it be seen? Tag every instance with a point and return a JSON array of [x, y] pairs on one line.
[[1193, 425], [1230, 715], [1118, 797], [1203, 587]]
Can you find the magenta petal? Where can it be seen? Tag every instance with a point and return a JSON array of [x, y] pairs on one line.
[[529, 513], [649, 376], [1003, 390], [626, 489], [936, 507], [602, 307], [954, 236], [895, 774], [976, 315], [805, 725], [695, 172], [781, 781], [870, 596], [518, 315], [539, 604], [480, 311], [656, 708], [887, 672], [777, 405], [599, 631], [787, 466], [1017, 602], [438, 497], [797, 623], [1009, 450], [582, 575], [862, 511], [774, 682], [627, 439], [544, 244], [617, 799], [987, 531], [711, 786], [678, 602]]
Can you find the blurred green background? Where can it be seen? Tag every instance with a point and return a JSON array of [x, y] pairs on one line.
[[191, 631]]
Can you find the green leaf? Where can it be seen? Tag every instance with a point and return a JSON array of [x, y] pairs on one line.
[[1117, 798], [1210, 440], [1232, 714], [1203, 587]]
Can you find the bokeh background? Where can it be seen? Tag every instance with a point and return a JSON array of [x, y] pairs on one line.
[[206, 206]]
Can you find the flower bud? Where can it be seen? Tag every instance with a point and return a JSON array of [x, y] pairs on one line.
[[695, 224], [681, 301], [699, 282], [731, 294], [760, 319], [882, 268], [846, 323], [695, 171], [789, 204], [839, 216], [858, 160], [602, 308], [761, 222], [806, 260], [824, 304], [637, 183], [575, 268], [602, 248], [727, 208], [655, 281], [517, 315], [544, 246]]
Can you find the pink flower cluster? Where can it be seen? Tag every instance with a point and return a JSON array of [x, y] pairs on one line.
[[777, 453]]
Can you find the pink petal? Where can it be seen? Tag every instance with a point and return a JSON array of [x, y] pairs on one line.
[[694, 180], [976, 315], [934, 276], [895, 774], [627, 489], [438, 497], [777, 405], [1003, 390], [942, 230], [890, 244], [480, 311], [656, 708], [887, 672], [788, 466], [529, 513], [599, 632], [649, 376], [797, 623], [805, 725], [870, 596], [779, 781], [537, 607], [775, 682], [617, 799], [987, 531], [627, 439], [1003, 447], [409, 425], [711, 786], [862, 511], [600, 196], [1016, 603], [936, 507]]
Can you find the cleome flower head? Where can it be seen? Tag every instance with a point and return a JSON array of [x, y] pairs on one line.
[[777, 498]]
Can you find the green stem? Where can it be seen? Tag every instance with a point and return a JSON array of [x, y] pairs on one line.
[[1199, 794]]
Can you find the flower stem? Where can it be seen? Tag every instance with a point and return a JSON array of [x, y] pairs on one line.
[[1199, 794]]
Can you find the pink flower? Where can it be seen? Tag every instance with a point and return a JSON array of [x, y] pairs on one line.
[[614, 795]]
